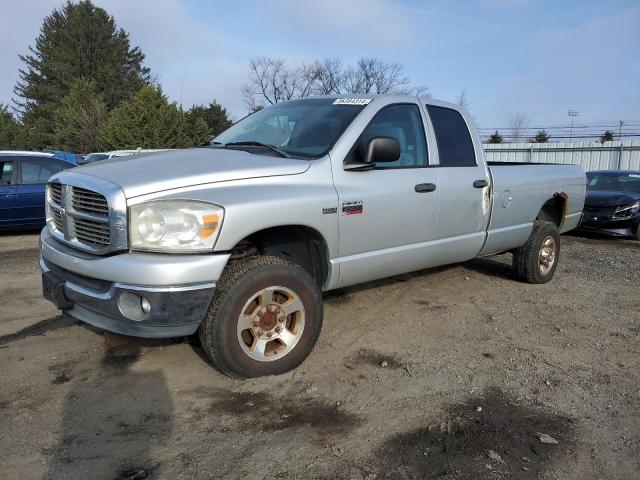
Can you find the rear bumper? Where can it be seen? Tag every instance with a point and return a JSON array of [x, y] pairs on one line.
[[131, 293]]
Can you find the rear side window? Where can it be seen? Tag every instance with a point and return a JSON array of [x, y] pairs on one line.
[[6, 171], [454, 140], [37, 171]]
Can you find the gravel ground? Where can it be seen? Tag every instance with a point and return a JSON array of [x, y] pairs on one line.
[[449, 373]]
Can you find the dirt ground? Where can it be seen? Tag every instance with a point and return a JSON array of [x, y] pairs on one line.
[[448, 373]]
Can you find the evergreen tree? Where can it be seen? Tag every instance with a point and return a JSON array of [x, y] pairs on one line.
[[199, 131], [606, 136], [495, 138], [214, 115], [9, 129], [79, 117], [77, 40], [148, 120], [541, 137]]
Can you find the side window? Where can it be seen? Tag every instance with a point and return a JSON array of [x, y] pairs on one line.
[[37, 171], [404, 123], [455, 146], [6, 171]]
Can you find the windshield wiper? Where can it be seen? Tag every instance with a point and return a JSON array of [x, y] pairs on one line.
[[253, 143]]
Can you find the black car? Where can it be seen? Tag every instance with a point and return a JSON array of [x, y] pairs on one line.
[[613, 202]]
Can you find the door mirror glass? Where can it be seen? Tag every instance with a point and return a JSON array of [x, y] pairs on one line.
[[381, 150]]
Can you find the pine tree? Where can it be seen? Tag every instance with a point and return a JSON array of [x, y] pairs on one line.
[[541, 137], [77, 40], [148, 120], [198, 131], [495, 138], [79, 117], [606, 136], [214, 115], [8, 129]]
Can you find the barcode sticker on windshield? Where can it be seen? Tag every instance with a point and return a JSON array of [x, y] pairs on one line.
[[352, 101]]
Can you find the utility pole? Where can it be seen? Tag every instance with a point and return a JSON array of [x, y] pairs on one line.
[[620, 130], [573, 113]]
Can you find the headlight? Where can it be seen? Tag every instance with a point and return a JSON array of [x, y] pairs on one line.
[[174, 226], [627, 211]]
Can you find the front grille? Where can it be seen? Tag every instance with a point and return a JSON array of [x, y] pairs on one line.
[[89, 231], [55, 192], [82, 217], [602, 211], [84, 200], [58, 219]]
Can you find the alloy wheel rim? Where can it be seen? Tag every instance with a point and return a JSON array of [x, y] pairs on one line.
[[271, 323], [547, 255]]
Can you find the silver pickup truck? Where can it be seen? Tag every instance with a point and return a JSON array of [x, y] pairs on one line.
[[236, 241]]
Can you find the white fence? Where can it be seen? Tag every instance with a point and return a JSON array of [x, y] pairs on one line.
[[623, 155]]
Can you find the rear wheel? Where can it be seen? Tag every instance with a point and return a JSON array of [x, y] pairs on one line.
[[536, 260], [264, 319]]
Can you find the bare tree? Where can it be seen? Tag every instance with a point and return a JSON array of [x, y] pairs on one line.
[[462, 99], [271, 81], [517, 125], [330, 77]]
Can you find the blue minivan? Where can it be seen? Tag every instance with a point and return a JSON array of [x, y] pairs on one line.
[[23, 176]]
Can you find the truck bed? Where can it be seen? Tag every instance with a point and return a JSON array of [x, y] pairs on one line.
[[519, 190]]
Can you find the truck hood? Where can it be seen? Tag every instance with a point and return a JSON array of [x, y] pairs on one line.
[[159, 171], [607, 198]]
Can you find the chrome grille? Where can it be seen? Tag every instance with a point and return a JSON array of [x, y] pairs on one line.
[[90, 217], [89, 231], [84, 200], [55, 193], [58, 219]]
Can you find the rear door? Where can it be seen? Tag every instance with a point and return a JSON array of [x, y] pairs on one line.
[[8, 212], [33, 175], [464, 206]]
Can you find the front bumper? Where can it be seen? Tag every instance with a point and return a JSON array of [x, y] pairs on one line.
[[610, 225], [107, 292]]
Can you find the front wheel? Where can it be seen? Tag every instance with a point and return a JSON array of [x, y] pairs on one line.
[[264, 319], [536, 260]]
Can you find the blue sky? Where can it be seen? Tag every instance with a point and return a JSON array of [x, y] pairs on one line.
[[538, 57]]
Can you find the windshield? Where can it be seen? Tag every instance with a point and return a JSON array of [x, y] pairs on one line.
[[303, 128], [621, 182]]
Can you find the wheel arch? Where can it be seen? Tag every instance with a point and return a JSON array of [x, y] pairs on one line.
[[554, 209], [301, 244]]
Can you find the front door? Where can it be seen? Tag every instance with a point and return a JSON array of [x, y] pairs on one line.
[[387, 215]]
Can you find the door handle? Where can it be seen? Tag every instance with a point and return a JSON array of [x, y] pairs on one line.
[[480, 183], [425, 187]]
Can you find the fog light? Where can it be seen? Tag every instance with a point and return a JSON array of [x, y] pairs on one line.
[[146, 306], [133, 306]]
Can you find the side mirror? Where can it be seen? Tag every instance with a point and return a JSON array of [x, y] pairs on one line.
[[381, 150], [377, 150]]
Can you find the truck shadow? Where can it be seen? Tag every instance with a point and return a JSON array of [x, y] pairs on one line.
[[112, 419], [38, 328]]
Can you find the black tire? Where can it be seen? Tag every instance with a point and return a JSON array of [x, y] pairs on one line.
[[636, 233], [239, 281], [526, 259]]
